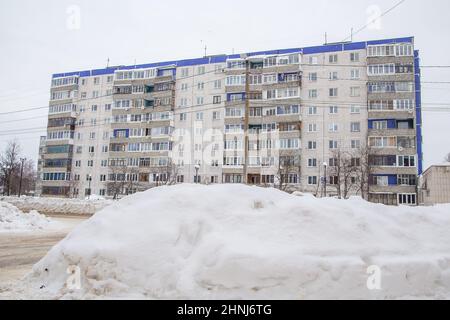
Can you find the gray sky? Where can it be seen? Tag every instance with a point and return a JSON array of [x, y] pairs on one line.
[[35, 42]]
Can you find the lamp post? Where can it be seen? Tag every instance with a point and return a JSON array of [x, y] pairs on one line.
[[325, 165], [22, 161], [90, 179], [197, 167]]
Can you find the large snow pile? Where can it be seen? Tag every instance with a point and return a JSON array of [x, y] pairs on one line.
[[59, 205], [235, 241], [12, 219]]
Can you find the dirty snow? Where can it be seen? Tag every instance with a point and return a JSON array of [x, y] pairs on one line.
[[241, 242], [59, 205], [14, 220]]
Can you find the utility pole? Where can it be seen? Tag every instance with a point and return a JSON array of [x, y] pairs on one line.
[[22, 161], [246, 116]]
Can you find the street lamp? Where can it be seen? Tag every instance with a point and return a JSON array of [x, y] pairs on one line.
[[325, 165], [197, 167], [22, 161]]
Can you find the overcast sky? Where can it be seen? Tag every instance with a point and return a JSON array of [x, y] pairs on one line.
[[39, 38]]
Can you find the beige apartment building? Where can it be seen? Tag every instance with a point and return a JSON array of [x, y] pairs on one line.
[[337, 119]]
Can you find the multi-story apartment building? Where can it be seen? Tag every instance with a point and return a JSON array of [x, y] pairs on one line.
[[299, 119]]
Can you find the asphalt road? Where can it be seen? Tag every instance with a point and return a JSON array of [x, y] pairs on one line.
[[20, 251]]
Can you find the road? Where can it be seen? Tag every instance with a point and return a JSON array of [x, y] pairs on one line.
[[20, 251]]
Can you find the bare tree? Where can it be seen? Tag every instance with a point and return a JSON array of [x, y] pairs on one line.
[[344, 171], [73, 187], [364, 170], [166, 174], [132, 179], [287, 165], [9, 165], [117, 179]]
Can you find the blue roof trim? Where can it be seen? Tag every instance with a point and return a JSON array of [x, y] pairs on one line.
[[217, 59], [419, 136]]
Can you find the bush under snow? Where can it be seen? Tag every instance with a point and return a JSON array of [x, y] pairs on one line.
[[235, 241], [12, 219]]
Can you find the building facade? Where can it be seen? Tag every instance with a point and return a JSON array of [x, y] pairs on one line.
[[435, 185], [337, 119]]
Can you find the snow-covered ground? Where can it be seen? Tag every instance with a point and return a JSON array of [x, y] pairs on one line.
[[14, 220], [235, 241], [59, 205]]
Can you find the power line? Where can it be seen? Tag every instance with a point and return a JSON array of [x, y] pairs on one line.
[[374, 20]]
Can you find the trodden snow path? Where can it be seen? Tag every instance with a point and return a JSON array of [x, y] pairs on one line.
[[235, 241]]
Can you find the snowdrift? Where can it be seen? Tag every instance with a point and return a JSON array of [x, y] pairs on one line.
[[241, 242], [13, 220], [59, 205]]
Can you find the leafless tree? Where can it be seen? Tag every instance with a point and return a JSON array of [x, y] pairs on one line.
[[166, 174], [117, 179], [9, 165], [364, 170], [132, 179], [287, 165], [344, 171], [73, 187]]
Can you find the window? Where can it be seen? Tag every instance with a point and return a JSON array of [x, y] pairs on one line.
[[312, 127], [333, 58], [312, 163], [217, 84], [354, 74], [312, 145], [333, 180], [355, 91], [333, 144], [355, 127], [382, 142], [201, 70], [312, 93], [312, 111], [313, 60], [333, 92], [381, 69], [312, 76], [354, 56], [333, 110], [382, 181], [184, 72], [406, 180], [407, 199], [356, 144], [333, 127], [312, 180], [200, 100], [380, 125], [199, 116], [355, 109], [406, 161], [404, 104], [333, 75], [217, 99], [216, 115]]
